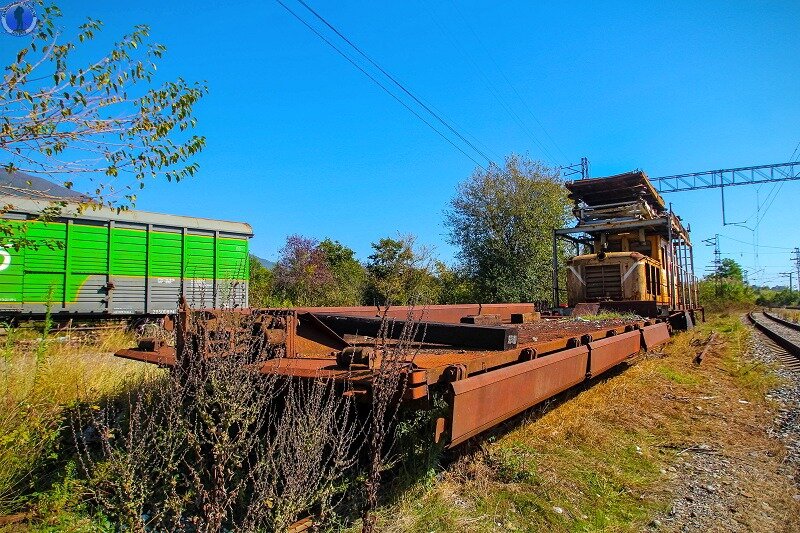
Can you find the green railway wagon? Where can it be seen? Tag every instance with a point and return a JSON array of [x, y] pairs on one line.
[[126, 263]]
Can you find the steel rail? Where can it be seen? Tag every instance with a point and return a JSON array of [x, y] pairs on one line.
[[782, 321], [790, 346]]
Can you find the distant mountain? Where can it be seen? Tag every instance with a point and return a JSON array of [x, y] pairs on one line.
[[265, 262], [26, 186]]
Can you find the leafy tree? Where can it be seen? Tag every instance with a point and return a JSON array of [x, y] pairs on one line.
[[730, 270], [399, 274], [105, 121], [777, 298], [502, 220], [303, 275], [348, 273], [726, 289], [455, 286], [312, 273]]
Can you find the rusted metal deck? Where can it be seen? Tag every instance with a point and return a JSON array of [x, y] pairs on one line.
[[486, 373]]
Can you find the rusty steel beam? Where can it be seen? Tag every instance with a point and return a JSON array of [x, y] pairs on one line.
[[164, 356], [609, 352], [483, 320], [461, 335], [655, 335], [435, 313], [485, 400]]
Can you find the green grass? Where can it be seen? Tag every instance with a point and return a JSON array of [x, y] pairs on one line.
[[41, 377], [594, 462], [676, 376]]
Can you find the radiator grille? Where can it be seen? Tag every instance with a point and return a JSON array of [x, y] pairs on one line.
[[603, 281]]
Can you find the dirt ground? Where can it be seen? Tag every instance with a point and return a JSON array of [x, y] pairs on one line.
[[734, 485]]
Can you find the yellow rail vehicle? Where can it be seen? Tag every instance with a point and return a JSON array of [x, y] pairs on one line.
[[632, 253]]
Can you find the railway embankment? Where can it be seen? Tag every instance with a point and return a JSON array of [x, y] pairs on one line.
[[664, 445], [660, 444]]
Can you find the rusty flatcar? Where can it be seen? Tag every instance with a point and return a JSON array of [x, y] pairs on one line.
[[485, 373]]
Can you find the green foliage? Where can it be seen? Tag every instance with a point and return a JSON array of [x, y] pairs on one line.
[[502, 221], [400, 274], [262, 286], [349, 275], [777, 298], [106, 119], [315, 273], [726, 288], [455, 286], [730, 270], [327, 273]]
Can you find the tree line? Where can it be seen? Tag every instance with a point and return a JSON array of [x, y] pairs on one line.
[[500, 220], [728, 287]]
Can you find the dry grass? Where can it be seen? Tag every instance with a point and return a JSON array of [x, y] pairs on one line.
[[788, 314], [594, 461], [39, 379]]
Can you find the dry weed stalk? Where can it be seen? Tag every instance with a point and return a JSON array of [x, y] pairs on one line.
[[215, 445], [389, 383]]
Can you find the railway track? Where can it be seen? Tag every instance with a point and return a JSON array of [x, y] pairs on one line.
[[783, 336]]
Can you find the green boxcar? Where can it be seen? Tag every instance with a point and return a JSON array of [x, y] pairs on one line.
[[127, 263]]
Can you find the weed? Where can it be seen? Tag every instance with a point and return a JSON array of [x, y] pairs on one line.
[[41, 347], [39, 379], [791, 315]]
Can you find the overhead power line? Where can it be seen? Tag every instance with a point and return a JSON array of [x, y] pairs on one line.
[[493, 90], [394, 81], [757, 245], [508, 81]]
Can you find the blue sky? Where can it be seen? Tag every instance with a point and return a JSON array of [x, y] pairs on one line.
[[301, 142]]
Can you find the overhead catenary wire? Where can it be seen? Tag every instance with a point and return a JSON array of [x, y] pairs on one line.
[[393, 79], [758, 245], [796, 149], [760, 218], [754, 253], [793, 158], [508, 81], [494, 91], [773, 193]]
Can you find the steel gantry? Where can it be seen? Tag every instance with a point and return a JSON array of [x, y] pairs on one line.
[[713, 179]]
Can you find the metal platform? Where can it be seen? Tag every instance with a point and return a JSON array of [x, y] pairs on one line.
[[486, 374]]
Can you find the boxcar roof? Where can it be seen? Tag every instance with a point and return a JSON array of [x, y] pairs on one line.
[[620, 188], [76, 210]]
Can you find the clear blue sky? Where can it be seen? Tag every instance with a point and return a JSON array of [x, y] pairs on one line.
[[301, 142]]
